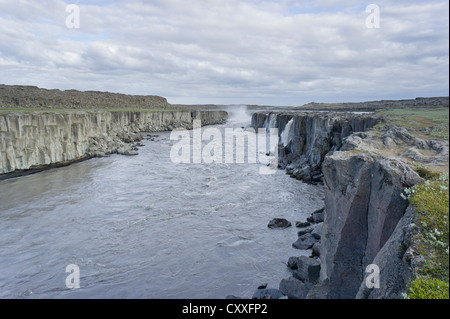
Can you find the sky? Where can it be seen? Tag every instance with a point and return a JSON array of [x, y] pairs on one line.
[[281, 53]]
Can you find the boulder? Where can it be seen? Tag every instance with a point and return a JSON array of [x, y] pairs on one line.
[[305, 231], [279, 223], [302, 224], [293, 288], [305, 241], [317, 217], [262, 286], [307, 270], [292, 262]]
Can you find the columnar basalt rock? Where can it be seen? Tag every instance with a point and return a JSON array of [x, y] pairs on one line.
[[395, 264], [366, 220], [363, 207], [32, 139]]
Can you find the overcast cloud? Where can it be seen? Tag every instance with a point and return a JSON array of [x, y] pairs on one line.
[[230, 51]]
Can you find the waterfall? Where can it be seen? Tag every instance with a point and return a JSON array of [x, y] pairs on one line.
[[288, 133], [266, 121], [273, 120]]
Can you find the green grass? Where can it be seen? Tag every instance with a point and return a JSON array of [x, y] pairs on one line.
[[429, 122], [427, 288], [431, 201], [424, 172]]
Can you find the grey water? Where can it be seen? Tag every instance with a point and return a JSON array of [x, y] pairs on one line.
[[144, 227]]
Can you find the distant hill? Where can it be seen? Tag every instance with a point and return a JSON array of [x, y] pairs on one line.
[[420, 102], [19, 96], [16, 96]]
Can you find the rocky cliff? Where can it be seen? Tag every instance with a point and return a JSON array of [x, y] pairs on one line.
[[365, 221], [33, 139], [306, 138], [363, 207]]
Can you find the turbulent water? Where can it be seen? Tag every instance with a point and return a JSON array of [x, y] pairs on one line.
[[144, 227]]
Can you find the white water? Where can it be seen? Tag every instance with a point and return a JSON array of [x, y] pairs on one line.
[[273, 120], [238, 115], [288, 133]]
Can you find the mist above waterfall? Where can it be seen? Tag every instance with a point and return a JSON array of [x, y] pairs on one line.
[[238, 115]]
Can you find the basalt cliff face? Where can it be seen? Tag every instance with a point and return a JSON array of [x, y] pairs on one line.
[[306, 138], [363, 207], [365, 221], [34, 139], [40, 127]]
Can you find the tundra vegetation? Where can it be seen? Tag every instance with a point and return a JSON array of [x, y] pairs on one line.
[[429, 123], [431, 201]]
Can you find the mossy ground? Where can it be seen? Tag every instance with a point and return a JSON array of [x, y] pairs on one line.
[[422, 122], [431, 201], [428, 288]]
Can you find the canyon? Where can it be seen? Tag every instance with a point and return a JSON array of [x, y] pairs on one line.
[[362, 162]]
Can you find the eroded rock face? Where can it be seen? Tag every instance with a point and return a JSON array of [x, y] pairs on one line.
[[363, 207], [396, 142], [395, 269], [30, 139], [366, 221], [306, 138]]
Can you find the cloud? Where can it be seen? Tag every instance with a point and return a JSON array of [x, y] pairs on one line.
[[229, 51]]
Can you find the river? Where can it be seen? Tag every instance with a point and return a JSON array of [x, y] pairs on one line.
[[144, 227]]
